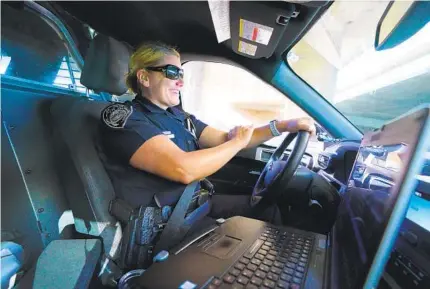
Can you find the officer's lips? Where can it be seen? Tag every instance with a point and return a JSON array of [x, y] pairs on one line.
[[175, 91]]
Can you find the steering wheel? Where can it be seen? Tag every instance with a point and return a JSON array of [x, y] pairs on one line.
[[277, 173]]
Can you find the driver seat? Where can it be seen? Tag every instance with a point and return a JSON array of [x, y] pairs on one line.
[[87, 185]]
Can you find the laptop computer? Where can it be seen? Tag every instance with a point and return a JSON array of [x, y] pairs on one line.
[[375, 201], [248, 253]]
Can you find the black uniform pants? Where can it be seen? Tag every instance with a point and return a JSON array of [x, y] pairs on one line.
[[226, 206]]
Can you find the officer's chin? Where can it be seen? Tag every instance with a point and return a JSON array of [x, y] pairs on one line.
[[175, 100]]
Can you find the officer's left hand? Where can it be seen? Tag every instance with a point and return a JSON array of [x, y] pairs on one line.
[[241, 133], [302, 123]]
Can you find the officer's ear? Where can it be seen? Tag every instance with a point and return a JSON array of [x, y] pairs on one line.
[[142, 77]]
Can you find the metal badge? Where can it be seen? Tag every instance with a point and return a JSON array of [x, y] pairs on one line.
[[191, 128], [116, 115]]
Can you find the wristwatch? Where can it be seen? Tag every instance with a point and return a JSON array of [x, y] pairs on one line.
[[273, 129]]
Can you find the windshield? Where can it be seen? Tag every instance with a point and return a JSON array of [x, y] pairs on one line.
[[337, 58]]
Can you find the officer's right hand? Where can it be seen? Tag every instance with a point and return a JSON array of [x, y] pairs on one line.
[[241, 134]]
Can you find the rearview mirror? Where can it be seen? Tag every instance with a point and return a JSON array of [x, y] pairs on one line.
[[400, 21]]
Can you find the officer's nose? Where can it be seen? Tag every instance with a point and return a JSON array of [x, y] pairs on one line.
[[180, 82]]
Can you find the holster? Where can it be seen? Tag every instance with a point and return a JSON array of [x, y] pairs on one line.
[[142, 235]]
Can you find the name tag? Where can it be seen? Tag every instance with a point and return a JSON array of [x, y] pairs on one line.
[[169, 134]]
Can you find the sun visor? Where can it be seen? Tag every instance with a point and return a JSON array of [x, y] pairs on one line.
[[256, 28]]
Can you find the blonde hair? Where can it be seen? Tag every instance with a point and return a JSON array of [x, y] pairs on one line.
[[148, 54]]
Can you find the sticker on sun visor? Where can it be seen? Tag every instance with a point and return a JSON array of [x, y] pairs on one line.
[[220, 12], [247, 48], [255, 32]]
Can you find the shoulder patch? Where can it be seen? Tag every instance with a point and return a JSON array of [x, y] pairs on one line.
[[116, 115]]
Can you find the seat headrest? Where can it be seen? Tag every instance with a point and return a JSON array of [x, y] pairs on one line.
[[106, 65]]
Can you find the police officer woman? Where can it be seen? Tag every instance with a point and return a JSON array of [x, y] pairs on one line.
[[150, 147]]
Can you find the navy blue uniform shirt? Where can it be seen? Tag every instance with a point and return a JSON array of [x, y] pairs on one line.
[[118, 144]]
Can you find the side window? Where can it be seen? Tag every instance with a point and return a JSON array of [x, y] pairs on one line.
[[224, 96], [69, 75], [31, 50]]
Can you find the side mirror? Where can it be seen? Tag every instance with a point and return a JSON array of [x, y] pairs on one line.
[[323, 136], [400, 21]]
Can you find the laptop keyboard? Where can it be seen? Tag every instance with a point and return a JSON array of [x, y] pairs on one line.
[[277, 259]]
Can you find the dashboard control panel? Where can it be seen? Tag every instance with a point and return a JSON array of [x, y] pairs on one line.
[[264, 154]]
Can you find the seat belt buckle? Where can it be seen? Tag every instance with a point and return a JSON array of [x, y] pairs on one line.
[[159, 227], [206, 184], [120, 210]]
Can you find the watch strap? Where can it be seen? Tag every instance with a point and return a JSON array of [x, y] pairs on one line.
[[273, 129]]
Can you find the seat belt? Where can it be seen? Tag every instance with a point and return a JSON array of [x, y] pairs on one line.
[[177, 227]]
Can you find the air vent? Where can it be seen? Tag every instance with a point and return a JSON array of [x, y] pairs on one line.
[[265, 155], [323, 161]]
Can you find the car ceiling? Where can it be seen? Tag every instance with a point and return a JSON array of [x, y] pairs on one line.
[[187, 25]]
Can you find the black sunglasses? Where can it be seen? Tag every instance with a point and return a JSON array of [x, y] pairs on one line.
[[170, 71]]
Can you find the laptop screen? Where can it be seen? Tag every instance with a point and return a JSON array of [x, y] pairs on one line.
[[373, 189], [419, 208]]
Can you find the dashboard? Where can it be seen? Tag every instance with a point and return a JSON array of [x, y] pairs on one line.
[[336, 161], [264, 154]]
